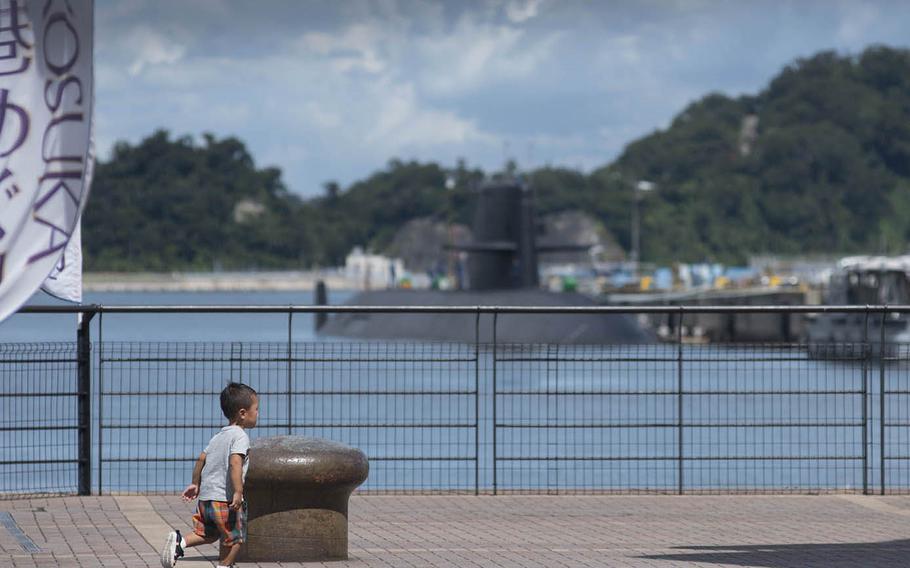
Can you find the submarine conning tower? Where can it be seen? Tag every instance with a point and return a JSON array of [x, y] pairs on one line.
[[503, 254]]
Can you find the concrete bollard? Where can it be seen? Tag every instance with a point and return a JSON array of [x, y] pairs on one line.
[[298, 490]]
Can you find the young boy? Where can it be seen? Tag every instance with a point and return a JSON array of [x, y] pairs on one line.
[[218, 483]]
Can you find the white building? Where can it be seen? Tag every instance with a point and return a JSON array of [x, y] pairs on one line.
[[372, 271]]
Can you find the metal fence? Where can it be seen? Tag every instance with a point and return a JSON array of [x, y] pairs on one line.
[[484, 417], [39, 423]]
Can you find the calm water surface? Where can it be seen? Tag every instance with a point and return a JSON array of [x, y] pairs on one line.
[[171, 327], [570, 419]]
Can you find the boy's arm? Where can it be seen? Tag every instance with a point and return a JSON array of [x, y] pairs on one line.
[[197, 470], [192, 490], [236, 472]]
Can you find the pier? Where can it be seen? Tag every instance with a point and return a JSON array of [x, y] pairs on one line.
[[726, 327], [215, 281], [486, 453], [536, 531]]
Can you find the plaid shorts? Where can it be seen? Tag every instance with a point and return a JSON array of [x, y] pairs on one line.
[[217, 519]]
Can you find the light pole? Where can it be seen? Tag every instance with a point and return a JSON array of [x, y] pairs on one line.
[[450, 214], [641, 187]]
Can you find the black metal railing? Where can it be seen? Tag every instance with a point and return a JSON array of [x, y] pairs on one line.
[[39, 418], [114, 416]]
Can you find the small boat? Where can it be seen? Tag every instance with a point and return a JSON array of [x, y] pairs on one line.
[[863, 280]]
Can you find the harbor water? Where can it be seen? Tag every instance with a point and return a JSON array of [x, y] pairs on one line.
[[443, 417]]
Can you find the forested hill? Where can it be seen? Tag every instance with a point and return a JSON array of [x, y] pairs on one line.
[[819, 161]]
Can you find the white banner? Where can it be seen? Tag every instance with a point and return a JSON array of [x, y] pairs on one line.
[[65, 280], [46, 96]]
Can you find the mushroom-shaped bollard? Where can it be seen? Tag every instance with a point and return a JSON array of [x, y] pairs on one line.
[[298, 490]]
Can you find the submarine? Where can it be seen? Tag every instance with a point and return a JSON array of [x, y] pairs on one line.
[[502, 271]]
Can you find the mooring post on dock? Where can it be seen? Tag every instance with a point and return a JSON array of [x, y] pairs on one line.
[[298, 489], [320, 298]]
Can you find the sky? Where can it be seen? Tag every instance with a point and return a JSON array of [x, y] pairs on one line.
[[333, 90]]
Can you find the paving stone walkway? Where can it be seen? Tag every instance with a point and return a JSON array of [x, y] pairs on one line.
[[502, 531]]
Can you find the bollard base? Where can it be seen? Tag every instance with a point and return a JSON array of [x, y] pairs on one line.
[[300, 535], [298, 490]]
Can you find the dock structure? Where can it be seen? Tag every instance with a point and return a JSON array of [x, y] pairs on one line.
[[725, 327]]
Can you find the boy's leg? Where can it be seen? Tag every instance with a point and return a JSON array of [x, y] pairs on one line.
[[234, 533], [227, 553], [194, 539], [177, 542], [172, 550]]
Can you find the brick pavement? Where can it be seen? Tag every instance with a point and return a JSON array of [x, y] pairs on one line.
[[506, 531]]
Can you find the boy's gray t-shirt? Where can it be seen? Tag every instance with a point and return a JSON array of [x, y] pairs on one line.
[[216, 481]]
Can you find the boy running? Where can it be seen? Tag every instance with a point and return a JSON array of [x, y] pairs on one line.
[[218, 483]]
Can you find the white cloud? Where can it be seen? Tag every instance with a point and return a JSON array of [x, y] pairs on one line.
[[317, 114], [626, 47], [334, 90], [478, 53], [519, 11], [403, 123], [320, 100], [857, 18], [356, 48], [149, 48]]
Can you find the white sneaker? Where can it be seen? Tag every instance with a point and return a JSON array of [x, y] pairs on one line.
[[172, 550]]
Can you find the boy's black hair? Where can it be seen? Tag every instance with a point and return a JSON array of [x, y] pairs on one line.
[[235, 397]]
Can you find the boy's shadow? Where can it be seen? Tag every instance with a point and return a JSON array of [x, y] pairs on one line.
[[887, 553], [201, 560]]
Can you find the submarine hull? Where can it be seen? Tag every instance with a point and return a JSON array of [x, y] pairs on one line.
[[463, 328]]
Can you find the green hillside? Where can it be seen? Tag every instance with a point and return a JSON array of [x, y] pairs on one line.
[[827, 170], [819, 161]]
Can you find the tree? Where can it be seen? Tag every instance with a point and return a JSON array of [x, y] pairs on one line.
[[828, 170]]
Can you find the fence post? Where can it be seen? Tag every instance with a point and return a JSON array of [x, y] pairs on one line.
[[84, 390], [477, 402], [881, 396], [290, 373], [679, 398], [100, 386], [495, 464], [867, 352], [555, 431]]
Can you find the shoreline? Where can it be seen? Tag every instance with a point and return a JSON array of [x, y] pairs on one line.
[[277, 281]]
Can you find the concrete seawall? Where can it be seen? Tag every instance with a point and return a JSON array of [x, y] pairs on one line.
[[212, 282]]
